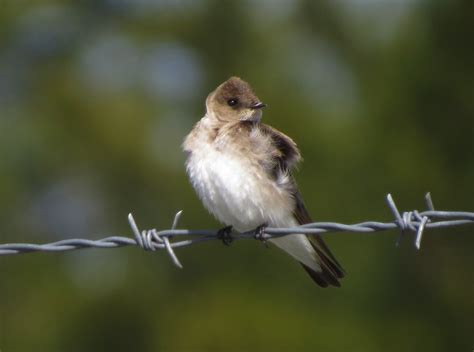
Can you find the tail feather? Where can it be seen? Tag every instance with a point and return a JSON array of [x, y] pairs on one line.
[[327, 259], [314, 256], [322, 278], [330, 272], [316, 241], [317, 277]]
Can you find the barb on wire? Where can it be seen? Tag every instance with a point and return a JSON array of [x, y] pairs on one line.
[[153, 239], [405, 221]]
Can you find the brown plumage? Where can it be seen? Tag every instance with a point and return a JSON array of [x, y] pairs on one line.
[[242, 171]]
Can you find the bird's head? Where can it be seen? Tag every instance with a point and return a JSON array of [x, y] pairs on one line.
[[234, 100]]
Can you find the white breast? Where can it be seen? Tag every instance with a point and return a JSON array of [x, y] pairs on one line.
[[236, 191]]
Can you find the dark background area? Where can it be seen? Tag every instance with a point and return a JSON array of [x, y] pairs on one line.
[[95, 100]]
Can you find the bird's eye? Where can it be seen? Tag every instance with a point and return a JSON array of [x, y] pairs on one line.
[[232, 102]]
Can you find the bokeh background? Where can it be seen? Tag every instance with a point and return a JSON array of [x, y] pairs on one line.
[[95, 100]]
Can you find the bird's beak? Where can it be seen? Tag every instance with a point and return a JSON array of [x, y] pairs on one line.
[[258, 105]]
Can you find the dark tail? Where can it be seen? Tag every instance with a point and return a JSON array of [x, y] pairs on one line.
[[331, 270]]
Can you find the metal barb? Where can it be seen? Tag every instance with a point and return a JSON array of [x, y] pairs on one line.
[[144, 239], [176, 219], [135, 230], [424, 220], [150, 240], [419, 233], [429, 201], [411, 220], [167, 241], [398, 218]]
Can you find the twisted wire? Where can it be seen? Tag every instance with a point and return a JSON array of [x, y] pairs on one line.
[[152, 239]]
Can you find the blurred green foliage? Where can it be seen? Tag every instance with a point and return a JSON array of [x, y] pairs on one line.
[[95, 100]]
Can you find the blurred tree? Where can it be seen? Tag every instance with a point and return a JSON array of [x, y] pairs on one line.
[[95, 99]]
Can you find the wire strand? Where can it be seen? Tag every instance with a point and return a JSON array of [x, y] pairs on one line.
[[152, 240]]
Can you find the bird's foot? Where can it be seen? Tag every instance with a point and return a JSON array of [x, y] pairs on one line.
[[260, 234], [224, 235]]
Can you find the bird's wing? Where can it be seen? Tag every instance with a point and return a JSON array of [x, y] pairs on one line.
[[285, 149], [288, 156]]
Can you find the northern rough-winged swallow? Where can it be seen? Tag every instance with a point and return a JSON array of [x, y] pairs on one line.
[[241, 169]]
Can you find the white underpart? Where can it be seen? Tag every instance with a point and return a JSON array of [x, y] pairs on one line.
[[240, 194]]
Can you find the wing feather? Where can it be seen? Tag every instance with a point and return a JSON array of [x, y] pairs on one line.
[[288, 157]]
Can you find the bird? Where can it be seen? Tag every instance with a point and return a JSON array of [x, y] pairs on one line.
[[242, 170]]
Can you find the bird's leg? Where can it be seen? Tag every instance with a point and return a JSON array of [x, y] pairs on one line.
[[260, 234], [224, 235]]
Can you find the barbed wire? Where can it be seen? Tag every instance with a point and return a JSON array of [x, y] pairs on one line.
[[152, 240]]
